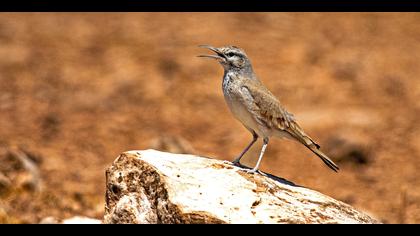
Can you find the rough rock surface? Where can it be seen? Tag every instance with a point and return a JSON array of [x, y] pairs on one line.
[[157, 187]]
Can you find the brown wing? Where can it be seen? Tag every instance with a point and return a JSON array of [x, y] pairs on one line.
[[265, 106], [269, 112]]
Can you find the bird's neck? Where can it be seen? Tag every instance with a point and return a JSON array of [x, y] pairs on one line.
[[246, 72]]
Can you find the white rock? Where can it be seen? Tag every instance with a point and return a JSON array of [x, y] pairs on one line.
[[157, 187]]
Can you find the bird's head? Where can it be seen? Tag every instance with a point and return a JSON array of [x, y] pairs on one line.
[[230, 57]]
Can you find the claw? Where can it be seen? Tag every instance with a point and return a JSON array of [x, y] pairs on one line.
[[253, 171], [250, 171]]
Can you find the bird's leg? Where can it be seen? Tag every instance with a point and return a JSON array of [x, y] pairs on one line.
[[255, 169], [254, 138]]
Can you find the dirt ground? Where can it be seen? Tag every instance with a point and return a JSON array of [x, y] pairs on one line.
[[78, 89]]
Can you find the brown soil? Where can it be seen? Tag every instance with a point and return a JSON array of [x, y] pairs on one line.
[[78, 89]]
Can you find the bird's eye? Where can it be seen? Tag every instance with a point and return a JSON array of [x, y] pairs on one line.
[[230, 54]]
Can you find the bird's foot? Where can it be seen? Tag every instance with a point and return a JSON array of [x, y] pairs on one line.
[[250, 171], [262, 173], [253, 171], [236, 163]]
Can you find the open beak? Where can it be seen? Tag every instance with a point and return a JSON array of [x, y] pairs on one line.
[[219, 55]]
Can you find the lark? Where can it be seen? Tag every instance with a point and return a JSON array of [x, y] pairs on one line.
[[256, 107]]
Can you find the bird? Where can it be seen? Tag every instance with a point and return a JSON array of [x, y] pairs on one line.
[[259, 111]]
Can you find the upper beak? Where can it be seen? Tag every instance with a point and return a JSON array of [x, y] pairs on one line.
[[218, 56]]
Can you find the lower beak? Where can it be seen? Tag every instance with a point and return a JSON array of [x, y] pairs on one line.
[[212, 56], [219, 55]]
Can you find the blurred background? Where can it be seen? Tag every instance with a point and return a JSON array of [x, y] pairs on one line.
[[76, 90]]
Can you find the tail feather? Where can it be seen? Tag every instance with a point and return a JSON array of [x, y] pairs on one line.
[[300, 136], [297, 132], [324, 158]]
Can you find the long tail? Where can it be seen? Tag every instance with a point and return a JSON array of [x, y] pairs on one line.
[[323, 157], [296, 131]]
